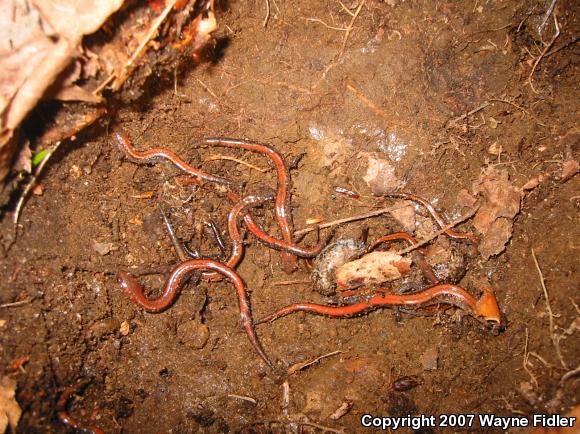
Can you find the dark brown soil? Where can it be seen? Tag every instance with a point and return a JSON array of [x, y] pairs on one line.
[[407, 69]]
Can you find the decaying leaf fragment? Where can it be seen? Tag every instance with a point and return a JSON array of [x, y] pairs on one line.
[[10, 411], [500, 204], [372, 269], [380, 176], [38, 41], [569, 169], [406, 216]]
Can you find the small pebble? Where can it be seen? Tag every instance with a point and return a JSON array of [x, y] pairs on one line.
[[125, 328], [104, 327], [429, 359], [193, 334]]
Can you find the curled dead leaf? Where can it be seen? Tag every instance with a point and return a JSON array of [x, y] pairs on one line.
[[569, 169], [372, 269]]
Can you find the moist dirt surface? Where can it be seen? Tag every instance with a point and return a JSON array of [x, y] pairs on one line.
[[440, 90]]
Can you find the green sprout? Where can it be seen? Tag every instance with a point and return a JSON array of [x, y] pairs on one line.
[[39, 156]]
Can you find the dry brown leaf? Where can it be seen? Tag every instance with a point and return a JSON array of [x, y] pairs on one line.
[[10, 411], [372, 269], [380, 175], [406, 217], [24, 159], [497, 236], [465, 200], [534, 182], [569, 169], [367, 367], [22, 44], [72, 19], [37, 43], [500, 201]]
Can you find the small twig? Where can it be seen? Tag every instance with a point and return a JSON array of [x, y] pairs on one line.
[[341, 411], [506, 101], [347, 10], [528, 15], [267, 17], [570, 374], [208, 89], [572, 301], [541, 56], [287, 85], [227, 157], [322, 427], [439, 232], [243, 398], [541, 359], [469, 113], [32, 182], [285, 397], [150, 34], [555, 50], [549, 309], [16, 303], [349, 219], [300, 366], [129, 65], [291, 282]]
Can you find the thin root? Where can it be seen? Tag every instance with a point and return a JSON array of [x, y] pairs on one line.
[[541, 56], [349, 219], [526, 360], [551, 315], [350, 27], [32, 183], [300, 366]]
